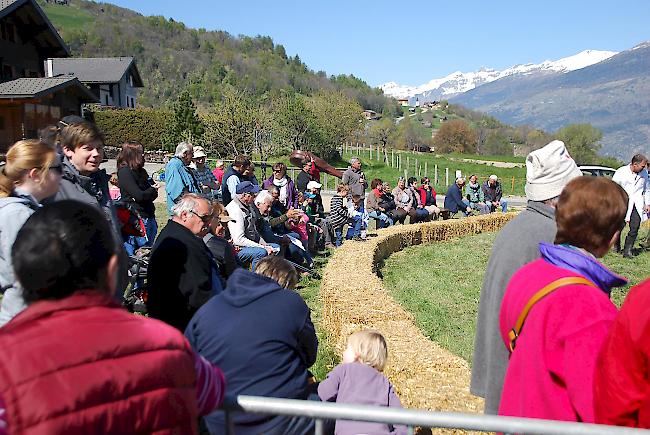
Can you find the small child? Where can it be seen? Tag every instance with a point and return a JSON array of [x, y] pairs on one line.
[[332, 226], [358, 219], [358, 380]]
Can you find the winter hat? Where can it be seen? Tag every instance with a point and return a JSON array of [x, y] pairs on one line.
[[548, 170]]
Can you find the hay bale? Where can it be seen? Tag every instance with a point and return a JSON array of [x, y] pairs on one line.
[[425, 375]]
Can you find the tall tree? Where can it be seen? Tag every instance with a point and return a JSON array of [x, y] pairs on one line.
[[185, 125], [582, 142], [233, 125], [382, 133], [455, 136]]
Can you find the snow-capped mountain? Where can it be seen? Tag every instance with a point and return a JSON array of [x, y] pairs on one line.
[[459, 82]]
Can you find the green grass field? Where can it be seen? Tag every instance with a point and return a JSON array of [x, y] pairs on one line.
[[440, 284], [68, 17]]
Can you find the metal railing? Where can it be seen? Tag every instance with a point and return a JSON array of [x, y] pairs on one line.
[[321, 411]]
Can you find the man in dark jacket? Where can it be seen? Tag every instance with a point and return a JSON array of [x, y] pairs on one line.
[[182, 274], [493, 192], [232, 177], [454, 198], [262, 337], [304, 177], [82, 144]]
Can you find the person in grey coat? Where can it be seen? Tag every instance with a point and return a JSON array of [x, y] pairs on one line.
[[548, 170], [355, 178], [31, 174]]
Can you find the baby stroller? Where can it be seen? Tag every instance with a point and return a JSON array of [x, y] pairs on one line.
[[135, 297]]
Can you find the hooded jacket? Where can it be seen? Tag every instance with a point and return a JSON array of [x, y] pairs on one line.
[[262, 337], [14, 211]]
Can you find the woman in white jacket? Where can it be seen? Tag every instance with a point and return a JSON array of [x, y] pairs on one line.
[[634, 179], [31, 173]]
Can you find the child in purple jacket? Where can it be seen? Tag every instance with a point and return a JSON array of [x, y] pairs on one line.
[[359, 380]]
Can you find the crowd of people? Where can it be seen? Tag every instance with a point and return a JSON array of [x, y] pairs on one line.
[[222, 313]]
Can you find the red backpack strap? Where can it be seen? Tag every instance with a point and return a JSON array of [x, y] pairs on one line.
[[549, 288]]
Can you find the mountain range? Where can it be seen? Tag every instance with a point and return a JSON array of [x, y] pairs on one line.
[[609, 90]]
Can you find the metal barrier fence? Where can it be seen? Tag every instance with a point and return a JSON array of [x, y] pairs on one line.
[[320, 412]]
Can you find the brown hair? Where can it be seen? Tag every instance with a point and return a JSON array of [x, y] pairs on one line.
[[78, 134], [370, 347], [279, 270], [374, 183], [23, 156], [131, 155], [49, 135], [639, 158], [589, 212], [241, 161], [341, 187], [280, 167]]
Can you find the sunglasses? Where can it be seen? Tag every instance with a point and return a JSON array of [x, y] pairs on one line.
[[206, 219], [277, 171]]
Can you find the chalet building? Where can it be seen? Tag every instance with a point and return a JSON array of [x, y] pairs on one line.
[[403, 102], [370, 114], [29, 100], [113, 80]]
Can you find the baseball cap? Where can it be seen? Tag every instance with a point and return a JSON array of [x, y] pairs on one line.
[[314, 185], [247, 187]]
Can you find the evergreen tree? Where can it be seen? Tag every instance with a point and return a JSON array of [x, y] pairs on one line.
[[185, 125]]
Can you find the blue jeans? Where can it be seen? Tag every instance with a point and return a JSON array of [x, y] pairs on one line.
[[132, 243], [253, 255], [383, 220], [354, 227]]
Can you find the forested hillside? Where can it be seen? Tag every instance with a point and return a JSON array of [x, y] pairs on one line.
[[172, 57]]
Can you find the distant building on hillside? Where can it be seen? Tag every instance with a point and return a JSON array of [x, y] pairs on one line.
[[403, 101], [28, 99], [113, 80], [370, 114]]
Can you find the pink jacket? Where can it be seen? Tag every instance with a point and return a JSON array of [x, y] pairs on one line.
[[551, 371]]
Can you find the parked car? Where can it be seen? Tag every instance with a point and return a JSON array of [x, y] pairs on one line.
[[597, 171]]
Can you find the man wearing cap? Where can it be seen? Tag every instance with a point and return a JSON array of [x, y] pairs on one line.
[[222, 251], [204, 177], [493, 192], [548, 170], [243, 228], [179, 178], [232, 177], [633, 178], [454, 201], [182, 275]]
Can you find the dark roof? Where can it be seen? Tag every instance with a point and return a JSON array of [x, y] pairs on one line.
[[39, 87], [34, 24], [97, 69]]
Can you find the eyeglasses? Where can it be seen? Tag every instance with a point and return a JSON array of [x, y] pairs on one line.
[[206, 219], [278, 171]]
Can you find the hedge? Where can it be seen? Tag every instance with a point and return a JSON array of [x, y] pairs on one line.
[[146, 126]]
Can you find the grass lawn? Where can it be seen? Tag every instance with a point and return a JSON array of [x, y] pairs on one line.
[[309, 289], [68, 17], [440, 284]]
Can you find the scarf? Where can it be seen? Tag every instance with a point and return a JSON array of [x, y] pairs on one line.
[[378, 193], [282, 185]]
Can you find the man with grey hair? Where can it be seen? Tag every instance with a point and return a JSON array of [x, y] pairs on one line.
[[182, 275], [355, 178], [178, 176], [243, 229], [548, 170]]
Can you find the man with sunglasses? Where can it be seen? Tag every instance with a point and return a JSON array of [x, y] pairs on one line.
[[182, 273]]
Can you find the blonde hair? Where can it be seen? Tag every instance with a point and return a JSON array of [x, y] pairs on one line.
[[370, 346], [279, 270], [342, 187], [81, 133], [23, 156]]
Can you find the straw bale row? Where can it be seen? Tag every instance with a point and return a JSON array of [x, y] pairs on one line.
[[425, 375]]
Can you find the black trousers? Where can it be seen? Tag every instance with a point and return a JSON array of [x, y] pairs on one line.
[[635, 223]]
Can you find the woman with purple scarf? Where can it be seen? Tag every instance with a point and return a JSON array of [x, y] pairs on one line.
[[280, 179], [556, 311]]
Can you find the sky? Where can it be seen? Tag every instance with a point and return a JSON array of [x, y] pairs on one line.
[[412, 42]]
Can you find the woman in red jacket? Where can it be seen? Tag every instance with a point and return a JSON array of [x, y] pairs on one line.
[[622, 385], [74, 361]]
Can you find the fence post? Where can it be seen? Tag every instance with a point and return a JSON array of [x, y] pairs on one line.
[[406, 174], [446, 177], [370, 151], [293, 174], [392, 158], [399, 162], [435, 174], [408, 163], [416, 170], [326, 178], [512, 191], [426, 168]]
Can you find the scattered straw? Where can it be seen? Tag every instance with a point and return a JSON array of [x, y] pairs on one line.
[[425, 375]]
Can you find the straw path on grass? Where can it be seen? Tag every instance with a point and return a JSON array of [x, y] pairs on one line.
[[425, 375]]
